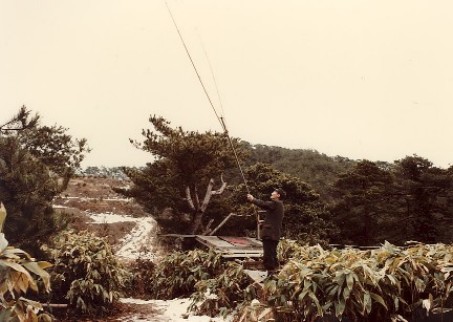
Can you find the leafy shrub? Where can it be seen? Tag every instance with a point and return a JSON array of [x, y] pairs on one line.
[[141, 272], [387, 284], [215, 287], [382, 285], [16, 279], [288, 249], [423, 272], [223, 293], [86, 273], [255, 311], [176, 275]]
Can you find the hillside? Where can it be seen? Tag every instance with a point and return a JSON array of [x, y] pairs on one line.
[[88, 199], [317, 169]]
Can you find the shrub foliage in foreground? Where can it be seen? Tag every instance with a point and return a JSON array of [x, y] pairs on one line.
[[86, 273], [386, 284], [215, 286], [225, 292], [176, 274], [17, 269]]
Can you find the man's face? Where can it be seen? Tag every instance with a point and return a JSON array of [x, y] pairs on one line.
[[275, 195]]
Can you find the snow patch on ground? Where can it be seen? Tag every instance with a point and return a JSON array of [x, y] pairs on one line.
[[138, 243], [67, 198], [174, 311], [60, 207], [110, 218]]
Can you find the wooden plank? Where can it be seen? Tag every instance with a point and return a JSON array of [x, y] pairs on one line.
[[241, 255], [176, 235], [242, 242], [214, 241], [233, 247], [255, 242]]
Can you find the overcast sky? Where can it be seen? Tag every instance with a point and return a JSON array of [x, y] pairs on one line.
[[357, 78]]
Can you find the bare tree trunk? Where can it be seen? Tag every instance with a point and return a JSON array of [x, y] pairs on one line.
[[189, 199], [207, 196], [199, 210], [196, 222], [63, 183]]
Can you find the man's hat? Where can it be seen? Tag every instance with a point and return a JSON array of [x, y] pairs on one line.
[[281, 192]]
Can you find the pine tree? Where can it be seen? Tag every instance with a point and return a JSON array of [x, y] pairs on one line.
[[182, 177], [36, 163]]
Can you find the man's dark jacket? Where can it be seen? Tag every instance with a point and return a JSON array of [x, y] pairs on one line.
[[272, 226]]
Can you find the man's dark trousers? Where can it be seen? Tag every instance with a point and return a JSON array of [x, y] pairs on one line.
[[270, 261]]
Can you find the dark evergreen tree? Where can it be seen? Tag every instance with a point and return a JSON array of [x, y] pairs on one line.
[[306, 217], [424, 196], [36, 163], [410, 200], [177, 187], [362, 208]]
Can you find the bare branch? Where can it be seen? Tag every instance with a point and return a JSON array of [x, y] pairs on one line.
[[197, 199], [221, 224], [189, 198], [208, 227], [207, 196], [222, 188]]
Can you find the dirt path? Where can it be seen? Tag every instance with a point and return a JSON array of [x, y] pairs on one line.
[[138, 244]]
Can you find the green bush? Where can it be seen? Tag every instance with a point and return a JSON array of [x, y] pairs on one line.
[[176, 274], [215, 287], [224, 292], [141, 271], [86, 273], [17, 269], [387, 284]]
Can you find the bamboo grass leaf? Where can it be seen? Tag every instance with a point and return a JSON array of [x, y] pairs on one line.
[[339, 308], [379, 299]]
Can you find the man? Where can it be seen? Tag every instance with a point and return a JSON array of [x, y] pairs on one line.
[[271, 228]]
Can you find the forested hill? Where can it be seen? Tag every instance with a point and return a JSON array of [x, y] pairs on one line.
[[317, 169]]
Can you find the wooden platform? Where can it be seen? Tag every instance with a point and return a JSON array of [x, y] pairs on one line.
[[233, 247]]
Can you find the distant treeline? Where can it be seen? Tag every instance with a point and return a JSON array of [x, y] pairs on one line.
[[103, 172], [371, 202]]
